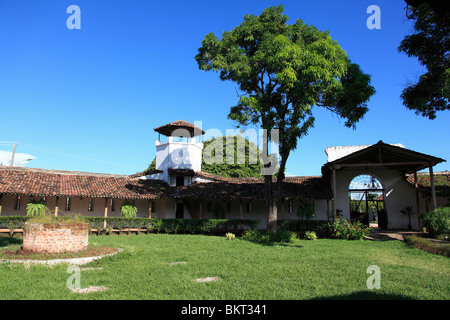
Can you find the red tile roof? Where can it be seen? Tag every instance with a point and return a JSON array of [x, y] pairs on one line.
[[41, 182], [169, 128], [441, 183]]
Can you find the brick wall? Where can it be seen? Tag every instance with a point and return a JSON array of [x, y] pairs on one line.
[[55, 238]]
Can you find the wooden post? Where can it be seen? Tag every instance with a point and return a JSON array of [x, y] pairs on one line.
[[240, 209], [56, 206], [416, 186], [433, 189], [328, 209], [1, 201], [150, 208], [201, 209], [333, 204], [106, 212]]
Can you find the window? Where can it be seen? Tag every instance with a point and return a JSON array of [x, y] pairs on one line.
[[249, 206], [113, 205], [17, 204], [67, 208], [228, 206], [180, 181], [179, 213], [153, 207], [91, 204], [208, 206], [290, 206]]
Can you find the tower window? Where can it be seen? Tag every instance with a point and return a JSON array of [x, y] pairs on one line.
[[180, 181]]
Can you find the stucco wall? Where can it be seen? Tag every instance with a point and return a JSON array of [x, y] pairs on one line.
[[398, 195]]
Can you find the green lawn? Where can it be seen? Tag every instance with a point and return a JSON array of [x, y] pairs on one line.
[[321, 269]]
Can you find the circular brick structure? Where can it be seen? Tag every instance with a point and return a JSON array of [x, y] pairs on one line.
[[55, 238]]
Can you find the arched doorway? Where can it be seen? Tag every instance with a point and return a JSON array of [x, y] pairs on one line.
[[366, 198]]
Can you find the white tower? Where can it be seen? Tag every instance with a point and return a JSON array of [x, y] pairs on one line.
[[181, 156]]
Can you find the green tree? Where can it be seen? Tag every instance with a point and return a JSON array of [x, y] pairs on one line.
[[430, 44], [245, 160], [245, 163], [283, 71]]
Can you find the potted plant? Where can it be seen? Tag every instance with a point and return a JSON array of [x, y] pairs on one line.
[[408, 211]]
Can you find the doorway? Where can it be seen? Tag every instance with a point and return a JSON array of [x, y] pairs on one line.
[[179, 211], [366, 198]]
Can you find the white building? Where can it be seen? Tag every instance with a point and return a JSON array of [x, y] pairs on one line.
[[177, 188]]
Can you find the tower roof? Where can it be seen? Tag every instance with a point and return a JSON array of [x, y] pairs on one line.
[[180, 128]]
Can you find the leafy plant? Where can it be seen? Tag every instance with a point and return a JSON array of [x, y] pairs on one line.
[[36, 208], [344, 229], [437, 221], [230, 236], [310, 235], [128, 210], [266, 237], [408, 211], [306, 211]]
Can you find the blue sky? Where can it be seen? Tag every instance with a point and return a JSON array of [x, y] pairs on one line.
[[89, 99]]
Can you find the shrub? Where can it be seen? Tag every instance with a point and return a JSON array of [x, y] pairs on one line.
[[344, 229], [36, 208], [311, 235], [128, 210], [428, 245], [230, 236], [437, 221], [280, 236]]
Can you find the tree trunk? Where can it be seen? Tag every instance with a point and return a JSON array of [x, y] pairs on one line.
[[271, 204]]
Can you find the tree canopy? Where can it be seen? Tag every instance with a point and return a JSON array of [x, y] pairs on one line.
[[430, 44], [283, 71], [245, 161]]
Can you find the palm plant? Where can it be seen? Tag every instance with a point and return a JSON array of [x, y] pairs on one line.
[[36, 208]]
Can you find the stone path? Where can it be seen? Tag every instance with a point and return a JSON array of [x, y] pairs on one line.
[[384, 235]]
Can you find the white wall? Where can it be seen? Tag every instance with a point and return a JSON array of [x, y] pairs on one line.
[[398, 195]]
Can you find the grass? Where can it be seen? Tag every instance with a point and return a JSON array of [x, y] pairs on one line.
[[164, 266]]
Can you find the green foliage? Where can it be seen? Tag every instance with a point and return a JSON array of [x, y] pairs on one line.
[[230, 236], [311, 235], [320, 227], [268, 237], [306, 211], [51, 219], [429, 245], [36, 208], [430, 44], [344, 229], [128, 210], [242, 161], [437, 221]]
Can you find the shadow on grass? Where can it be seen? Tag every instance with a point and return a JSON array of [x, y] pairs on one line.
[[366, 295], [7, 241]]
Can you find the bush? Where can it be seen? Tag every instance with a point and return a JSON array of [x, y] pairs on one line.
[[311, 235], [344, 229], [301, 226], [280, 236], [437, 221], [428, 245]]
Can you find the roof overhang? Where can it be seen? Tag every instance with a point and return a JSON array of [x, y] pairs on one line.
[[382, 155]]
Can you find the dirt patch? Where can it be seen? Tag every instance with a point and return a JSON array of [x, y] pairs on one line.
[[89, 289], [207, 279], [28, 255]]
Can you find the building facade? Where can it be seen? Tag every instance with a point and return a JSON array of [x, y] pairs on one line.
[[177, 188]]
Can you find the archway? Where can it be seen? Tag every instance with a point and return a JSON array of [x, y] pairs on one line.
[[366, 199]]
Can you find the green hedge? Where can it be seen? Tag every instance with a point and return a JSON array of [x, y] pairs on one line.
[[302, 226], [120, 224]]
